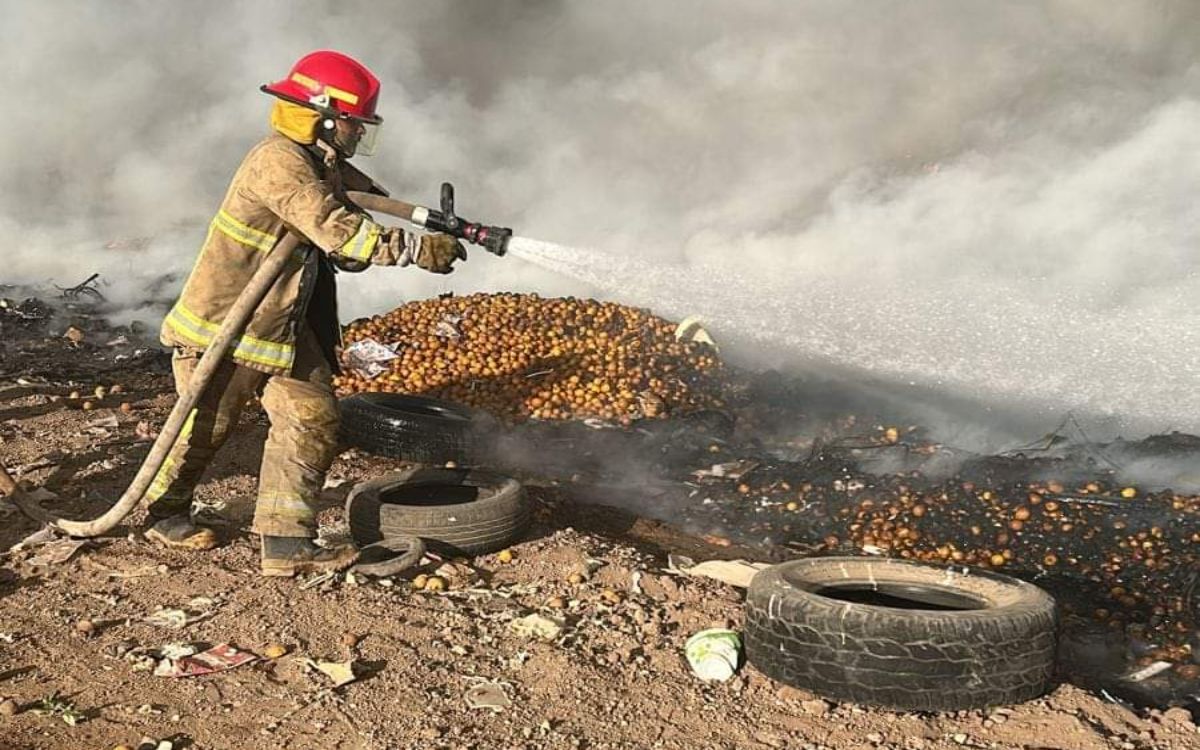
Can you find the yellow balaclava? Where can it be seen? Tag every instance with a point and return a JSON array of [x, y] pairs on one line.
[[294, 121]]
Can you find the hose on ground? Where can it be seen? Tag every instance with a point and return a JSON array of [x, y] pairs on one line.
[[231, 328], [389, 557]]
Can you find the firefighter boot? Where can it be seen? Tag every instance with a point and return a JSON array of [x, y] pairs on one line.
[[180, 532], [287, 556]]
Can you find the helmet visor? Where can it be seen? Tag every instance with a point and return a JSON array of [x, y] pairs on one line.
[[369, 139]]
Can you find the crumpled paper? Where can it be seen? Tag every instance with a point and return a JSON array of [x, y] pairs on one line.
[[447, 327], [216, 659], [537, 626], [341, 672], [369, 358], [197, 609]]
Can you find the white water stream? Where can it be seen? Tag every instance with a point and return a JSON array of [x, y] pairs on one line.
[[1034, 347]]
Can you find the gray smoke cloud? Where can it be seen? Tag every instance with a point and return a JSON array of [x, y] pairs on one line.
[[993, 198]]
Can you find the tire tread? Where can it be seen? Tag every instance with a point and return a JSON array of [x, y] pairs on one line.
[[896, 658]]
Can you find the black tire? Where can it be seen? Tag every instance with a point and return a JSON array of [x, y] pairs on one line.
[[901, 635], [454, 511], [413, 428]]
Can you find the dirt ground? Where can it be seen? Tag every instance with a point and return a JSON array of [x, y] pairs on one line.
[[613, 678]]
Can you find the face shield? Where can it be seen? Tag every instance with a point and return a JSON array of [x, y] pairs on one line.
[[354, 137], [369, 137]]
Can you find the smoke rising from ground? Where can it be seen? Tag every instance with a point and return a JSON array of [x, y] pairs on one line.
[[996, 198]]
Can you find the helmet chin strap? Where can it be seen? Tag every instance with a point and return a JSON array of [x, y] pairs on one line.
[[328, 141], [330, 154]]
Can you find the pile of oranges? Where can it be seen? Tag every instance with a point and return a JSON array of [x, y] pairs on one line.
[[521, 356]]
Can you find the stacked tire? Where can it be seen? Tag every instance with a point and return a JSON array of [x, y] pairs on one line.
[[414, 428]]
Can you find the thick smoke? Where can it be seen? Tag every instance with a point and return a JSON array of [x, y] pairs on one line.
[[992, 198]]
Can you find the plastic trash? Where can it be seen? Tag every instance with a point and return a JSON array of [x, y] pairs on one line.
[[488, 695], [369, 357], [691, 328], [714, 654]]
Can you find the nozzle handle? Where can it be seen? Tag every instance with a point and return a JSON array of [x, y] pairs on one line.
[[448, 218]]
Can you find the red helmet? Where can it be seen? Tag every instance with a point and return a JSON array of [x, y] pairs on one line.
[[331, 82]]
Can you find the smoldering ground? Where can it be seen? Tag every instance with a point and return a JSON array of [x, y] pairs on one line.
[[989, 199]]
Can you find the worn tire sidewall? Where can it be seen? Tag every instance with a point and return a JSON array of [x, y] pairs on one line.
[[482, 525], [775, 604]]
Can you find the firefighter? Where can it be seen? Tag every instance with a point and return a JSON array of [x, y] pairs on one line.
[[295, 179]]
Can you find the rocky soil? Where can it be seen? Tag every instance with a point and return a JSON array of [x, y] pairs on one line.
[[79, 638]]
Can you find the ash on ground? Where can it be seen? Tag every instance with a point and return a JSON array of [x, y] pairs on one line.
[[781, 476], [778, 474]]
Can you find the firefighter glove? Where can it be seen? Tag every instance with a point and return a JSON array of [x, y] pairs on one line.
[[437, 253], [396, 248]]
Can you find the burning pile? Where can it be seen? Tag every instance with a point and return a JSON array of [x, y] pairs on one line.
[[1117, 559], [521, 356]]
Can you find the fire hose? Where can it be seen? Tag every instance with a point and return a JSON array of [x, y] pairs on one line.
[[493, 239]]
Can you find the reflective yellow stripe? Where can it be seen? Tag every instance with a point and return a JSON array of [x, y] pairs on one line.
[[362, 244], [289, 505], [201, 332], [280, 496], [164, 477], [309, 83], [345, 96], [334, 93], [181, 326], [243, 233]]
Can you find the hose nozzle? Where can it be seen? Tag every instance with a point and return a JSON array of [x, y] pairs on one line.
[[492, 239]]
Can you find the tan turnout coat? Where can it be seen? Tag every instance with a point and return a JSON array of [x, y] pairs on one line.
[[280, 185]]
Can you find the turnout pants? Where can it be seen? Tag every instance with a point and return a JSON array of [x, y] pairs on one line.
[[300, 447]]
